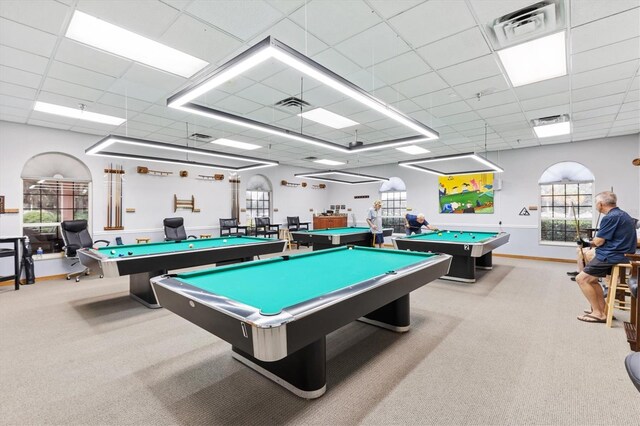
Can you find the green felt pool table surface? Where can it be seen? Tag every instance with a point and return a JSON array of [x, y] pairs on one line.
[[465, 237], [174, 246], [274, 284]]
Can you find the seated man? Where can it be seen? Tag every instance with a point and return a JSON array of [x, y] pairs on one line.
[[413, 224], [615, 238], [587, 255]]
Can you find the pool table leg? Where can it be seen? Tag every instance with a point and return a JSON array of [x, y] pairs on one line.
[[462, 269], [485, 262], [302, 372], [140, 288], [392, 316]]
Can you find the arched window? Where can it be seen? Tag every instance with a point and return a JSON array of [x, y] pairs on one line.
[[55, 187], [393, 194], [566, 196], [258, 198]]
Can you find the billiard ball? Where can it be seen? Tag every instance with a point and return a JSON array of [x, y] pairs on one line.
[[455, 236], [113, 252], [224, 241], [439, 234], [448, 232], [473, 237], [121, 255], [130, 253], [190, 245]]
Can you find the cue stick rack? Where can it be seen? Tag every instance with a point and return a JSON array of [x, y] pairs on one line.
[[147, 171], [114, 198], [184, 204], [319, 186], [212, 177]]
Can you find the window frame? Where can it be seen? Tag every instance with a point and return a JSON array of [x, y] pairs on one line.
[[250, 210], [568, 231], [393, 216]]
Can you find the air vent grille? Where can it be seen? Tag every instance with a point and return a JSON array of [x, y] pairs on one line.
[[553, 119], [201, 136], [292, 102], [528, 23]]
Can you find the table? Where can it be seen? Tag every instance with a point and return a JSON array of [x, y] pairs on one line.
[[470, 250], [143, 240], [205, 235], [141, 262], [15, 253], [333, 237], [277, 312]]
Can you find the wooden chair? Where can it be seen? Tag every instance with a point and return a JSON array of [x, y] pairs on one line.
[[631, 327], [230, 228], [618, 291], [265, 228]]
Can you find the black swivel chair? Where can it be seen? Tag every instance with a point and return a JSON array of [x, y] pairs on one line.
[[294, 224], [174, 229], [75, 234], [230, 228], [265, 228]]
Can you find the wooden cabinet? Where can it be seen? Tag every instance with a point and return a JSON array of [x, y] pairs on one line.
[[323, 222]]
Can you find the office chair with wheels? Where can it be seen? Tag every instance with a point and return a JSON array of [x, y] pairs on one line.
[[174, 229], [75, 234]]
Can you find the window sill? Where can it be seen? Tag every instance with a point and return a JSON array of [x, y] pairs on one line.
[[557, 243]]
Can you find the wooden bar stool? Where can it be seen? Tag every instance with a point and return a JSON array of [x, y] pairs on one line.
[[284, 234], [618, 283]]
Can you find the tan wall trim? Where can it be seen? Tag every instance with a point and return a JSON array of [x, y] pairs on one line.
[[545, 259], [38, 279]]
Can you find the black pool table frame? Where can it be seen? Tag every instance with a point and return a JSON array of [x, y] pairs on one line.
[[466, 256], [290, 347], [358, 237], [141, 268]]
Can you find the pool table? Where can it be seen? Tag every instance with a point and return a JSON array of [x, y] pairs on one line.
[[470, 250], [333, 237], [276, 312], [143, 261]]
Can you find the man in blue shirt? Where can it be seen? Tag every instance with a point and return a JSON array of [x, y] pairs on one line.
[[413, 224], [615, 238]]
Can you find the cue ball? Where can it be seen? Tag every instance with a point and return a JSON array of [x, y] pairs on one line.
[[113, 252], [448, 232], [190, 245], [224, 241], [130, 253]]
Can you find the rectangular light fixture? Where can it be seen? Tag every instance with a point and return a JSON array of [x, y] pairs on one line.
[[77, 113], [328, 118], [235, 144], [335, 177], [535, 60], [413, 149], [113, 39], [270, 48], [99, 149], [329, 162], [437, 165]]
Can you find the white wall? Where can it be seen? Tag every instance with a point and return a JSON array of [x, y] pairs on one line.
[[609, 159], [152, 196]]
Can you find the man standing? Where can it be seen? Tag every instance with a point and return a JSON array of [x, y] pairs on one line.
[[413, 224], [615, 238], [374, 220]]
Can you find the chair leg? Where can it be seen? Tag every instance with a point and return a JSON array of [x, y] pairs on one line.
[[611, 294]]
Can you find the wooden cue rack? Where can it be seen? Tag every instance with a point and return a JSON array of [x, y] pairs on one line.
[[184, 204], [114, 198]]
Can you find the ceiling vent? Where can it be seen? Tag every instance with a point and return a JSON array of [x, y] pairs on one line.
[[292, 102], [553, 119], [310, 158], [200, 136], [528, 23]]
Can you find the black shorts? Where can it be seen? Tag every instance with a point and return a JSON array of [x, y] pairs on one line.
[[597, 268], [379, 238]]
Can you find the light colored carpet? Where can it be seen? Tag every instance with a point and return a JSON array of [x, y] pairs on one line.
[[506, 350]]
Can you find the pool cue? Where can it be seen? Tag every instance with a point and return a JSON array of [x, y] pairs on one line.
[[573, 208], [108, 199]]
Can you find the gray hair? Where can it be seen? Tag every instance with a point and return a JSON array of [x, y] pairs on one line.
[[420, 215], [607, 198]]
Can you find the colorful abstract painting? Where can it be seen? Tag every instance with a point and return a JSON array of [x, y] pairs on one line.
[[466, 193]]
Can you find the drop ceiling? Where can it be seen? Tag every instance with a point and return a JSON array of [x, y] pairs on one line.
[[429, 59]]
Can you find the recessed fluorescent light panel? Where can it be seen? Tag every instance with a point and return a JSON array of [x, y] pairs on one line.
[[77, 113], [328, 118], [296, 74], [337, 176], [535, 60], [552, 126], [111, 38], [329, 162], [146, 150], [451, 165], [413, 150], [235, 144]]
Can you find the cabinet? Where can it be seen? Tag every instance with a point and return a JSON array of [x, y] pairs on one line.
[[323, 222]]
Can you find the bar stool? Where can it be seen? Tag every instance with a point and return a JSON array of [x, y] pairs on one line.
[[284, 234], [618, 282]]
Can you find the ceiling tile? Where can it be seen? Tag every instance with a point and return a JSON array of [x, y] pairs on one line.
[[560, 98], [605, 74], [19, 77], [336, 62], [460, 118], [606, 55], [78, 75], [69, 89], [632, 96], [630, 106], [237, 105], [374, 45], [400, 68], [490, 10], [597, 102], [23, 60], [387, 8], [293, 36], [47, 16], [454, 49], [486, 100], [595, 112], [596, 120], [17, 91], [137, 90], [605, 31], [504, 119], [547, 112], [122, 102], [483, 86], [495, 111], [353, 17], [441, 97], [432, 20], [425, 83], [610, 88], [473, 70], [85, 57], [542, 88], [41, 123], [153, 77], [590, 10], [450, 109], [629, 115], [25, 38]]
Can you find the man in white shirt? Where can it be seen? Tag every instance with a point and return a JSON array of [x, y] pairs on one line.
[[374, 220]]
